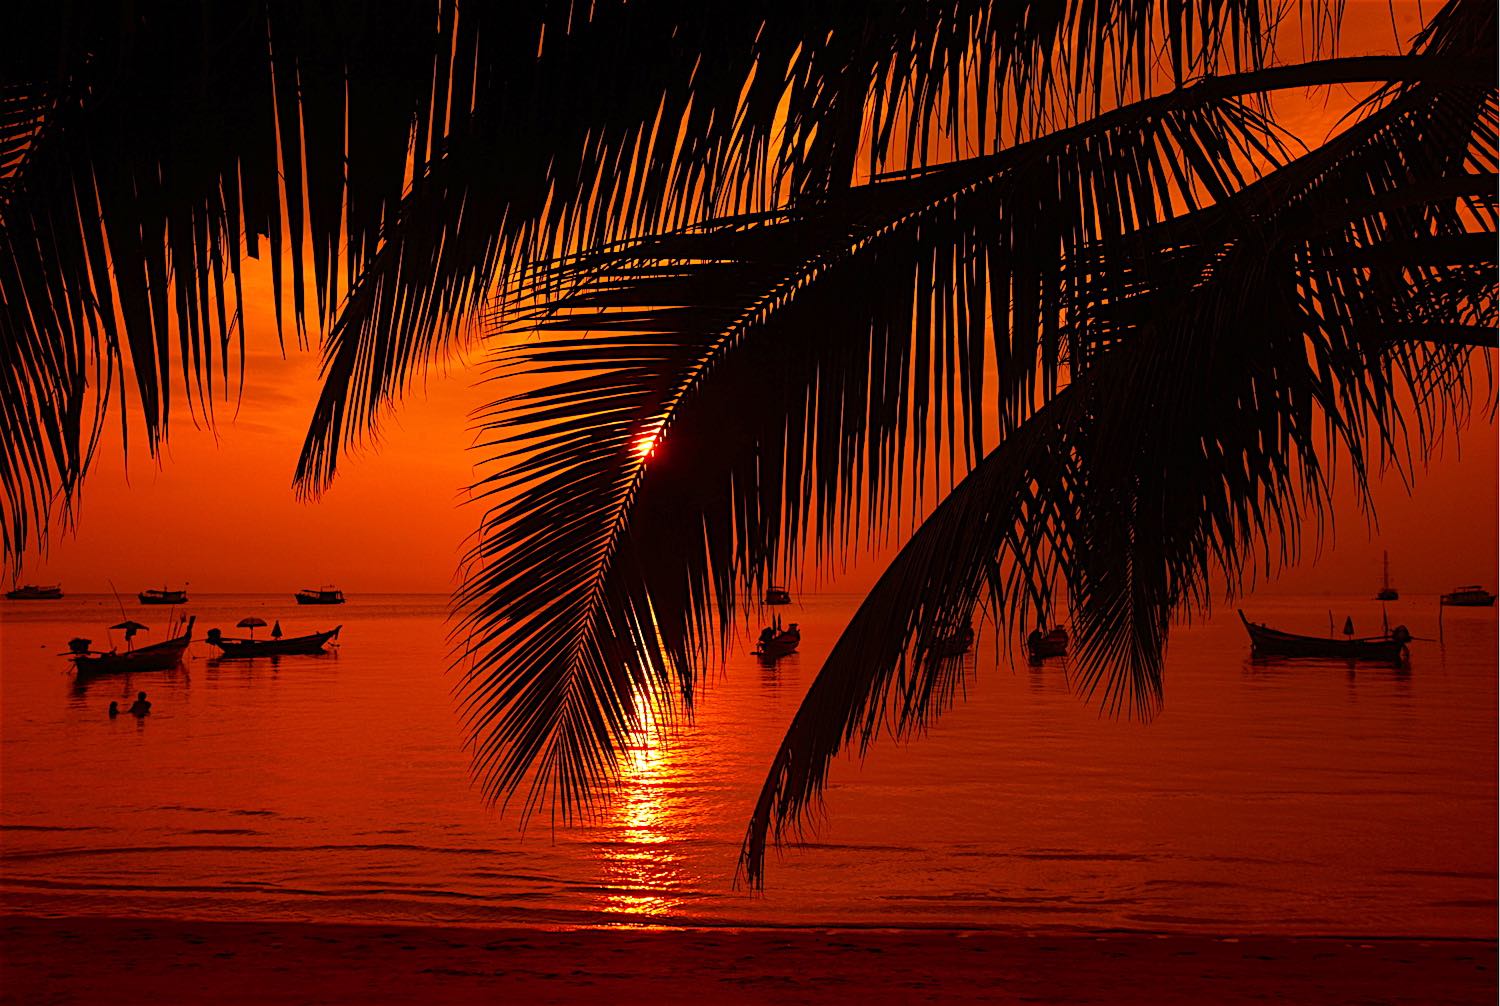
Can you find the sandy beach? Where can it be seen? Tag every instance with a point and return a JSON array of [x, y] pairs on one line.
[[123, 961]]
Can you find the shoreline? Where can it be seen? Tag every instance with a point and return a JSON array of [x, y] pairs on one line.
[[99, 959]]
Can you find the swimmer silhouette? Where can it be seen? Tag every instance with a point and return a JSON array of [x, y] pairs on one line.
[[141, 706]]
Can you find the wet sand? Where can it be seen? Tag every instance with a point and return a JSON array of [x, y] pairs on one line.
[[158, 962]]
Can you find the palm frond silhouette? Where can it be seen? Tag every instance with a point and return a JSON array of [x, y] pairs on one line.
[[786, 274]]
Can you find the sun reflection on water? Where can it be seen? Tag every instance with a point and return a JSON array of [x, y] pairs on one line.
[[643, 872]]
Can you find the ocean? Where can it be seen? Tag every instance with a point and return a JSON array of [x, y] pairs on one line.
[[1289, 798]]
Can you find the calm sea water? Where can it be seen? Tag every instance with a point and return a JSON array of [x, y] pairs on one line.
[[1278, 798]]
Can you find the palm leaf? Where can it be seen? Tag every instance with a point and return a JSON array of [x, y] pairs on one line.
[[1132, 502]]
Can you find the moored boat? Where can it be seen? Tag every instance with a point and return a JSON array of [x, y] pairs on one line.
[[320, 595], [1386, 591], [31, 592], [164, 596], [161, 656], [1472, 596], [954, 644], [1041, 645], [313, 643], [778, 595], [1268, 642], [776, 642]]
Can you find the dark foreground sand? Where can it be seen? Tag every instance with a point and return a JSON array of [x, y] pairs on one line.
[[161, 962]]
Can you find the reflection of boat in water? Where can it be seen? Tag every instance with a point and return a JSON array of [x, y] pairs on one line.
[[1472, 596], [1268, 642], [776, 642], [320, 595], [157, 657], [294, 645], [31, 592], [954, 644], [778, 595], [164, 596], [1386, 591], [1041, 645]]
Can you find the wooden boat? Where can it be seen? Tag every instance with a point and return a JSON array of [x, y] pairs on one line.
[[287, 646], [778, 595], [31, 592], [164, 596], [320, 595], [776, 642], [157, 657], [1267, 642], [954, 644], [1472, 596], [1386, 591], [1041, 645]]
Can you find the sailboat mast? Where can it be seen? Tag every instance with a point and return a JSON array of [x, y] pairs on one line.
[[1385, 571]]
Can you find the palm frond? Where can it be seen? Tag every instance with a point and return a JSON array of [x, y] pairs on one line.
[[1271, 351], [767, 363]]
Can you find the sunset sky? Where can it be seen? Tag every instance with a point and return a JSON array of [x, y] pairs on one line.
[[219, 512]]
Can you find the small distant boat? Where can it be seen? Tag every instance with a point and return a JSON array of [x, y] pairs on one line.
[[288, 646], [1386, 591], [1267, 642], [776, 642], [1472, 596], [320, 595], [164, 596], [954, 644], [1041, 645], [778, 595], [157, 657], [31, 592]]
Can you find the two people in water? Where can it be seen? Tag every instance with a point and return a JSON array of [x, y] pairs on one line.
[[138, 709]]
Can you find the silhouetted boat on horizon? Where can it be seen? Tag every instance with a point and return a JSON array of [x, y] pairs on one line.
[[1386, 591], [1268, 642], [1472, 596], [1041, 645], [31, 592], [320, 595], [287, 646], [778, 595], [161, 656], [164, 596], [954, 644]]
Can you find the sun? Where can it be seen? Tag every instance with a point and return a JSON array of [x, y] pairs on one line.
[[645, 445]]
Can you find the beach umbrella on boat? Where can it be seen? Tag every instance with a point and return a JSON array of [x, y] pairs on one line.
[[131, 627], [252, 623]]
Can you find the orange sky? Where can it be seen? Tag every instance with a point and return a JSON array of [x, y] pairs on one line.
[[219, 511]]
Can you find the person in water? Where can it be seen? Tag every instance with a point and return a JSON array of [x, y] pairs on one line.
[[141, 706], [114, 709]]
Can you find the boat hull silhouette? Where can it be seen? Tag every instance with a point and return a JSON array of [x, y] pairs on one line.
[[163, 656], [1469, 597], [34, 593], [163, 596], [1269, 642], [294, 646]]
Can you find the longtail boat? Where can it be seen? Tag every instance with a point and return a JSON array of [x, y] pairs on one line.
[[1267, 642], [1041, 645], [778, 595], [31, 592], [164, 596], [776, 642], [1472, 596], [954, 644], [161, 656], [320, 595], [289, 646]]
